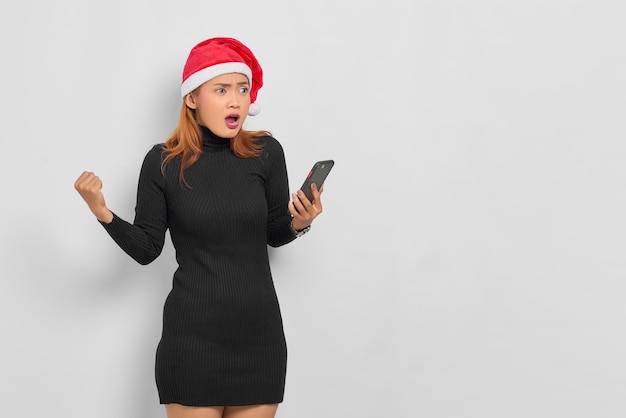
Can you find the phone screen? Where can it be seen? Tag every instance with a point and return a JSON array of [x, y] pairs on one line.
[[317, 175]]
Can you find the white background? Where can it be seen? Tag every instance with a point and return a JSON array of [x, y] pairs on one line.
[[470, 260]]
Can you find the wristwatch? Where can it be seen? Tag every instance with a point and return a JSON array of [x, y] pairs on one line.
[[298, 234]]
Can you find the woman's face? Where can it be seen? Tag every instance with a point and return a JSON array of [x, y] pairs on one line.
[[222, 104]]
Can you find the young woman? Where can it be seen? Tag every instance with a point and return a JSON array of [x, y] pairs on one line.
[[223, 193]]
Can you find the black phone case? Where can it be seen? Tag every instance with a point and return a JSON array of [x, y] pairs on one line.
[[317, 175]]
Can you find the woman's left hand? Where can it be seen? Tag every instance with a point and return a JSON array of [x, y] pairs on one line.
[[303, 210]]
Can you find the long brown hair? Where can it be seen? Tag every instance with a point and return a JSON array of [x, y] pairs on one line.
[[186, 142]]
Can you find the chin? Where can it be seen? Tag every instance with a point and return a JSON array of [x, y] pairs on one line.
[[231, 134], [225, 132]]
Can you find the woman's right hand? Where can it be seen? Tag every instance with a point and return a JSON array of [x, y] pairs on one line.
[[89, 186]]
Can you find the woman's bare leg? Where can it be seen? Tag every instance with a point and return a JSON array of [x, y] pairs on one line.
[[175, 410], [254, 411]]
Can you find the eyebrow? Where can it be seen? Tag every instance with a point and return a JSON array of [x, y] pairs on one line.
[[241, 83]]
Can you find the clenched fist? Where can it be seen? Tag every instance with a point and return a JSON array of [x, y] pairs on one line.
[[89, 186]]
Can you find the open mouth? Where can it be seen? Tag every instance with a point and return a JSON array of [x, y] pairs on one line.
[[232, 121]]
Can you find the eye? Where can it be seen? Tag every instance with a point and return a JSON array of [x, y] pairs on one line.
[[220, 90], [243, 90]]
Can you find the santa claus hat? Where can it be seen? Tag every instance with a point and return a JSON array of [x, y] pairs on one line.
[[217, 56]]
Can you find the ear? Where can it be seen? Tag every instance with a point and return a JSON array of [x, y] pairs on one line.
[[190, 101]]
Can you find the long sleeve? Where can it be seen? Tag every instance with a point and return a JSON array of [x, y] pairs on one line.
[[277, 195], [143, 240]]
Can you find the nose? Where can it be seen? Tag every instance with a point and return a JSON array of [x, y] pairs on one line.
[[233, 100]]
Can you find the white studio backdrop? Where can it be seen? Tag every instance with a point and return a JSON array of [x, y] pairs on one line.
[[470, 258]]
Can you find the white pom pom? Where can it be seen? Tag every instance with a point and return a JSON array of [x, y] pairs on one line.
[[254, 109]]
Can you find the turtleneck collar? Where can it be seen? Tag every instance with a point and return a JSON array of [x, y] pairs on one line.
[[210, 140]]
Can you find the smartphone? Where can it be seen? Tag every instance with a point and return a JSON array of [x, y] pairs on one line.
[[317, 175]]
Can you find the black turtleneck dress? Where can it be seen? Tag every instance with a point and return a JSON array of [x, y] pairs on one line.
[[222, 340]]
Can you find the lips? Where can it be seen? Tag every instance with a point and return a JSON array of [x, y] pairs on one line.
[[232, 121]]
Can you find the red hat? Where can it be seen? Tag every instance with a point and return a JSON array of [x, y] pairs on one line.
[[217, 56]]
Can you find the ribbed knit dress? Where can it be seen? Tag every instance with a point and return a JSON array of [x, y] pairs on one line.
[[222, 341]]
